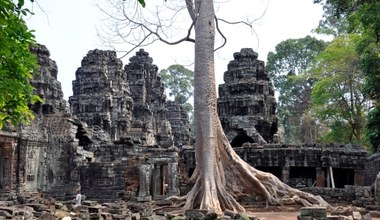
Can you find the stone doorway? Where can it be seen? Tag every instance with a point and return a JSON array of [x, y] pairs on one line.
[[159, 183], [5, 167]]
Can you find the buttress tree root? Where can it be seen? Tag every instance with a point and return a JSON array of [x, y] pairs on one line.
[[231, 175]]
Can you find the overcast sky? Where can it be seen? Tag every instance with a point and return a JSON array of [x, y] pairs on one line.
[[69, 30]]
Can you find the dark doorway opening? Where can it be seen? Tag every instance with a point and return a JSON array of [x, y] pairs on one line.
[[240, 139], [302, 176], [343, 177], [273, 170]]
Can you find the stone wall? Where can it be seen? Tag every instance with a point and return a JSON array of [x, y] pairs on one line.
[[372, 169], [302, 165], [361, 196], [46, 152], [180, 124]]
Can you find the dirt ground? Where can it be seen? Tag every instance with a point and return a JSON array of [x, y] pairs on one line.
[[283, 213], [275, 215]]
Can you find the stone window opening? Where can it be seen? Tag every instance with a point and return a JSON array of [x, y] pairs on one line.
[[30, 178]]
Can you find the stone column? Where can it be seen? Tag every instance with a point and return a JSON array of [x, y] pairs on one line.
[[320, 178], [377, 187], [145, 172], [173, 179], [285, 174]]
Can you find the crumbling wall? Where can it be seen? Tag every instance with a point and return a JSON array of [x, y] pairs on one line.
[[302, 165], [47, 147], [372, 169]]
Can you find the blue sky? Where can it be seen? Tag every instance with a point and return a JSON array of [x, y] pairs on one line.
[[69, 30]]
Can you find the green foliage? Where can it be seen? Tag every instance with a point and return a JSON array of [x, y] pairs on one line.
[[364, 18], [337, 96], [180, 83], [373, 128], [16, 65], [142, 2], [289, 67]]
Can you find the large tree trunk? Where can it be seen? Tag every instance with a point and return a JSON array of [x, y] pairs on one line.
[[217, 163]]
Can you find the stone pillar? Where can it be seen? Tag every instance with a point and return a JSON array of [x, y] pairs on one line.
[[145, 172], [285, 174], [157, 181], [359, 177], [173, 180], [320, 178], [377, 187]]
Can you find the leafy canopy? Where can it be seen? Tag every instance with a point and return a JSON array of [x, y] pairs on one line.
[[338, 93], [17, 64], [180, 83], [289, 67], [364, 18]]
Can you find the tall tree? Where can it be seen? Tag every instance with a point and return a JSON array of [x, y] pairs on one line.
[[17, 64], [338, 94], [289, 68], [220, 171], [364, 18], [180, 82]]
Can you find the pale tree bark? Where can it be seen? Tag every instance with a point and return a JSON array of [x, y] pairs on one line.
[[217, 163]]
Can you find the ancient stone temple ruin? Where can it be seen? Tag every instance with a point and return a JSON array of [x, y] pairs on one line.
[[246, 103], [101, 95], [121, 138], [94, 147], [246, 107], [129, 104], [149, 111]]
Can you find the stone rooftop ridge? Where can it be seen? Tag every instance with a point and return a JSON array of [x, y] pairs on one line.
[[141, 57]]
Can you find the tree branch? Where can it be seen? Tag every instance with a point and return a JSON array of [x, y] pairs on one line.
[[190, 9], [221, 34]]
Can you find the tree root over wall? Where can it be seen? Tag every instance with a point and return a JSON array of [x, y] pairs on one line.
[[215, 189]]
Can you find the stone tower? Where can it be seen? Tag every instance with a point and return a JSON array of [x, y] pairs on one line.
[[179, 121], [246, 103], [101, 95], [46, 84], [149, 112]]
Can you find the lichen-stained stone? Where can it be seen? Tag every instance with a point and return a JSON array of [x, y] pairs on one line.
[[180, 124], [150, 123], [46, 84], [246, 103], [101, 95]]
